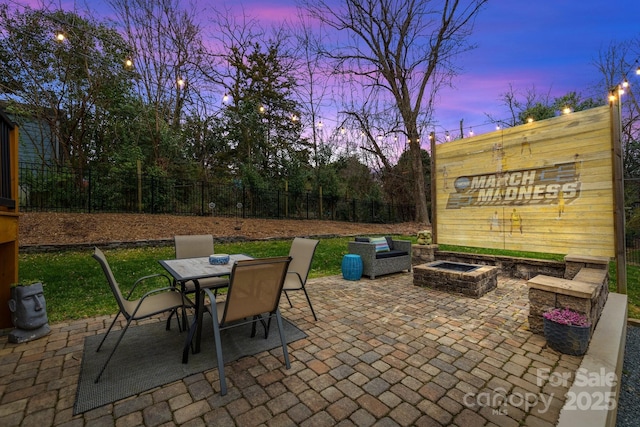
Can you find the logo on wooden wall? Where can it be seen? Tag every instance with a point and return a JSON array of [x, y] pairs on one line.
[[558, 184]]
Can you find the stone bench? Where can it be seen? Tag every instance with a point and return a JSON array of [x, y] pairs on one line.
[[584, 288]]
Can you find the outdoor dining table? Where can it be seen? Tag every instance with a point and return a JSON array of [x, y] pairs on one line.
[[194, 269]]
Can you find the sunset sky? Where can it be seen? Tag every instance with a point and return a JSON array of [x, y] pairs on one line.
[[547, 44]]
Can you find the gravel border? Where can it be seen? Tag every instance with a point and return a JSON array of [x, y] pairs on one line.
[[628, 408]]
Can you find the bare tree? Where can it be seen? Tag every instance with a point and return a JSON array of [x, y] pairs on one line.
[[168, 50], [406, 48], [617, 68]]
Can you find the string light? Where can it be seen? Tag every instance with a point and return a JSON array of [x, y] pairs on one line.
[[180, 82], [470, 132], [60, 36], [529, 119], [566, 110], [225, 98]]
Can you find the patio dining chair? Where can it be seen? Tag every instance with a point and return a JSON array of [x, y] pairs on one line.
[[196, 246], [253, 295], [156, 301], [301, 253]]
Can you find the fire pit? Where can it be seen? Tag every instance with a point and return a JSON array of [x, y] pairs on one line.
[[456, 277]]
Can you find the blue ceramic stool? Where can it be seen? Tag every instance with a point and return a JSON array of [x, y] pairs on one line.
[[352, 267]]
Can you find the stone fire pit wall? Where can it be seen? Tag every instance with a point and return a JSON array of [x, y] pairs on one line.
[[584, 288], [473, 284]]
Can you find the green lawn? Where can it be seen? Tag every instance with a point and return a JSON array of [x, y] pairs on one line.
[[75, 287]]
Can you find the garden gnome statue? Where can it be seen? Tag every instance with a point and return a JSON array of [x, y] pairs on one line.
[[424, 237], [28, 313]]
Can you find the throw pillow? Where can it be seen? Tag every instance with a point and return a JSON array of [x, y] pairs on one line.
[[381, 244]]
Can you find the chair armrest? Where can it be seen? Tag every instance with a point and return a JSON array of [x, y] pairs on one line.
[[364, 249], [157, 291], [142, 279]]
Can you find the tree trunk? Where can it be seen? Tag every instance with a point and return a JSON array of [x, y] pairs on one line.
[[419, 188]]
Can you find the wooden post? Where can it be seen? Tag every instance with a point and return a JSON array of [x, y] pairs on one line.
[[434, 215], [286, 199], [139, 170], [320, 201], [618, 197], [9, 216]]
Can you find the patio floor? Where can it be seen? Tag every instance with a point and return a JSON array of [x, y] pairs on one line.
[[383, 353]]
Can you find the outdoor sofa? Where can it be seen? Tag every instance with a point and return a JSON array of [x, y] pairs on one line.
[[378, 260]]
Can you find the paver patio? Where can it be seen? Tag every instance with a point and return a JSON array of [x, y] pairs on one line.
[[383, 353]]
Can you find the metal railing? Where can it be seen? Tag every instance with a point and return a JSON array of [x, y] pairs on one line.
[[67, 190]]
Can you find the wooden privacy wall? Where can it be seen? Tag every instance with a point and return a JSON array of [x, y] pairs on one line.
[[545, 186]]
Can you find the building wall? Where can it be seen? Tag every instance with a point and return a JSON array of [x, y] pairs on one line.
[[545, 186]]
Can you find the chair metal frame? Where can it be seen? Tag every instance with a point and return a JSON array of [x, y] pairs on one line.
[[156, 301], [232, 313]]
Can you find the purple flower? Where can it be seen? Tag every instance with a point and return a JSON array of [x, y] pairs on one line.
[[566, 316]]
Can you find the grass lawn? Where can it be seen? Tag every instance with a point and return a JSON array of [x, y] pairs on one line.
[[75, 287]]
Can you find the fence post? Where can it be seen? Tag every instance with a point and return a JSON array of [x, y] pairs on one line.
[[202, 198], [139, 172], [89, 192], [153, 195], [320, 214], [244, 199]]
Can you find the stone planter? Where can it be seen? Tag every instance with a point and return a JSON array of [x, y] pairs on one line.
[[28, 313], [567, 339]]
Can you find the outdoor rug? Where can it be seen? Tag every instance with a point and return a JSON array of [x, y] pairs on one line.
[[150, 356]]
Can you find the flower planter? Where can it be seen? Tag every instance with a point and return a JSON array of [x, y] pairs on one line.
[[567, 339]]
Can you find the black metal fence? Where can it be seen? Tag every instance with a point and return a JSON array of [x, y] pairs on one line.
[[68, 190], [633, 251]]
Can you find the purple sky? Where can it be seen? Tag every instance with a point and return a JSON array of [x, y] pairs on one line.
[[547, 44]]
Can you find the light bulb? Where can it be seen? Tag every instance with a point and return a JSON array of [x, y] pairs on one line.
[[180, 82], [225, 98], [529, 119], [625, 83], [566, 110], [60, 36]]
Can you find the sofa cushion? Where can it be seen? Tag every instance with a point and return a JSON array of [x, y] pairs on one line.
[[391, 254], [380, 243]]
